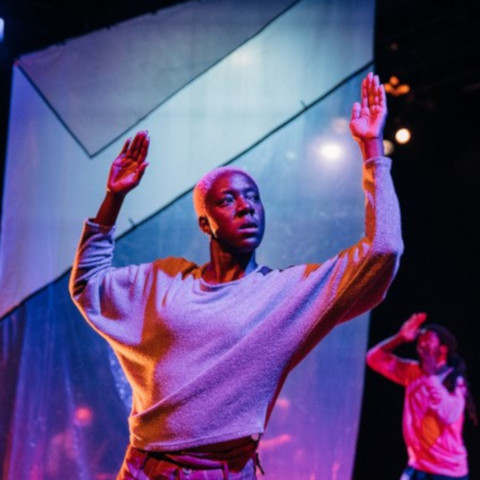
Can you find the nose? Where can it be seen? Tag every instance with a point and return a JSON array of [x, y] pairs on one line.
[[244, 207]]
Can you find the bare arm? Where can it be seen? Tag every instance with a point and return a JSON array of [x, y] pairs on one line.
[[380, 357], [125, 174]]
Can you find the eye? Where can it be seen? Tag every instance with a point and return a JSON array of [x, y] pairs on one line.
[[253, 196], [224, 201]]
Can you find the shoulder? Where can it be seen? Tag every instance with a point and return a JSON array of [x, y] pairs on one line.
[[173, 266]]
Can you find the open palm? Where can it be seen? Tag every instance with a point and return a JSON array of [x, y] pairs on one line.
[[368, 117], [410, 328], [129, 166]]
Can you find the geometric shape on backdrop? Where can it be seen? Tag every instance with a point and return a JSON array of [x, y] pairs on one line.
[[85, 80]]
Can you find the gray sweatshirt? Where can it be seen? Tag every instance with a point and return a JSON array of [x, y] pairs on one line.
[[206, 362]]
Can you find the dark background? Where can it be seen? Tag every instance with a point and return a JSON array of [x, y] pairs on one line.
[[434, 47]]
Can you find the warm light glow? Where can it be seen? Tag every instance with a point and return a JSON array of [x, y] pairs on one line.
[[83, 416], [395, 88], [403, 135], [388, 147], [394, 80], [396, 91]]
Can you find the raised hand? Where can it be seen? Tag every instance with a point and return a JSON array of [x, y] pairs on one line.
[[368, 117], [128, 168], [409, 330]]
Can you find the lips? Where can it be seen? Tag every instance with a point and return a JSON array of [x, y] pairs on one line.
[[248, 226]]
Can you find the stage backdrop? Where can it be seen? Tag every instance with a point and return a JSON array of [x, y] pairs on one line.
[[266, 86]]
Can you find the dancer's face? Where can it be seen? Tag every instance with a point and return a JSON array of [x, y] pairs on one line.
[[429, 346], [235, 215]]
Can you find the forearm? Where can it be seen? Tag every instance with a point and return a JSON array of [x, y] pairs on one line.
[[109, 209], [373, 262], [371, 148], [389, 344], [382, 210], [383, 350]]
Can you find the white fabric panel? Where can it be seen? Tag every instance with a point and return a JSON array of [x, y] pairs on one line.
[[150, 57], [51, 185]]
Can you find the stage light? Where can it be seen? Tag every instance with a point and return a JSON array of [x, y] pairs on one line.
[[388, 147], [395, 88], [2, 28], [403, 135], [330, 151]]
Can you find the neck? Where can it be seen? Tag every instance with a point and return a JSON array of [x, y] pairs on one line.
[[441, 366], [225, 266], [434, 368]]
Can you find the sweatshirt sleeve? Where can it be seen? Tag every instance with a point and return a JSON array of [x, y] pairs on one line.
[[358, 278], [448, 406], [93, 257], [370, 265], [390, 366], [106, 296]]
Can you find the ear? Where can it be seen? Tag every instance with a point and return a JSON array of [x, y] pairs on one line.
[[204, 225]]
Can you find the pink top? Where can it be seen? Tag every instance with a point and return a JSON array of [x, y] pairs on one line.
[[432, 416]]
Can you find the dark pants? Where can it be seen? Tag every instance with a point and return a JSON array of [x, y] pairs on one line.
[[411, 473]]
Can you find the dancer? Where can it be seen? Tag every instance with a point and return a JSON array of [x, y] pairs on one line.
[[207, 348], [436, 394]]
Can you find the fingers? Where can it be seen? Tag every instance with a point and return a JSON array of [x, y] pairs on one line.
[[382, 100], [356, 108], [141, 170], [419, 318], [125, 146], [364, 98], [373, 92], [144, 149], [139, 147]]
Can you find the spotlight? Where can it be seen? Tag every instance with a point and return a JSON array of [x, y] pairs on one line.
[[395, 88], [330, 151], [403, 136]]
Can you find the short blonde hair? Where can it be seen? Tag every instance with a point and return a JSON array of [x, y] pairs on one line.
[[204, 185]]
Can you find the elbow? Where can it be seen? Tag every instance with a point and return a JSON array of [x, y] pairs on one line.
[[381, 268], [75, 286], [388, 246], [385, 259]]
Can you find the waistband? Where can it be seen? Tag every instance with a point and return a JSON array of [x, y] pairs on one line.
[[230, 460]]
